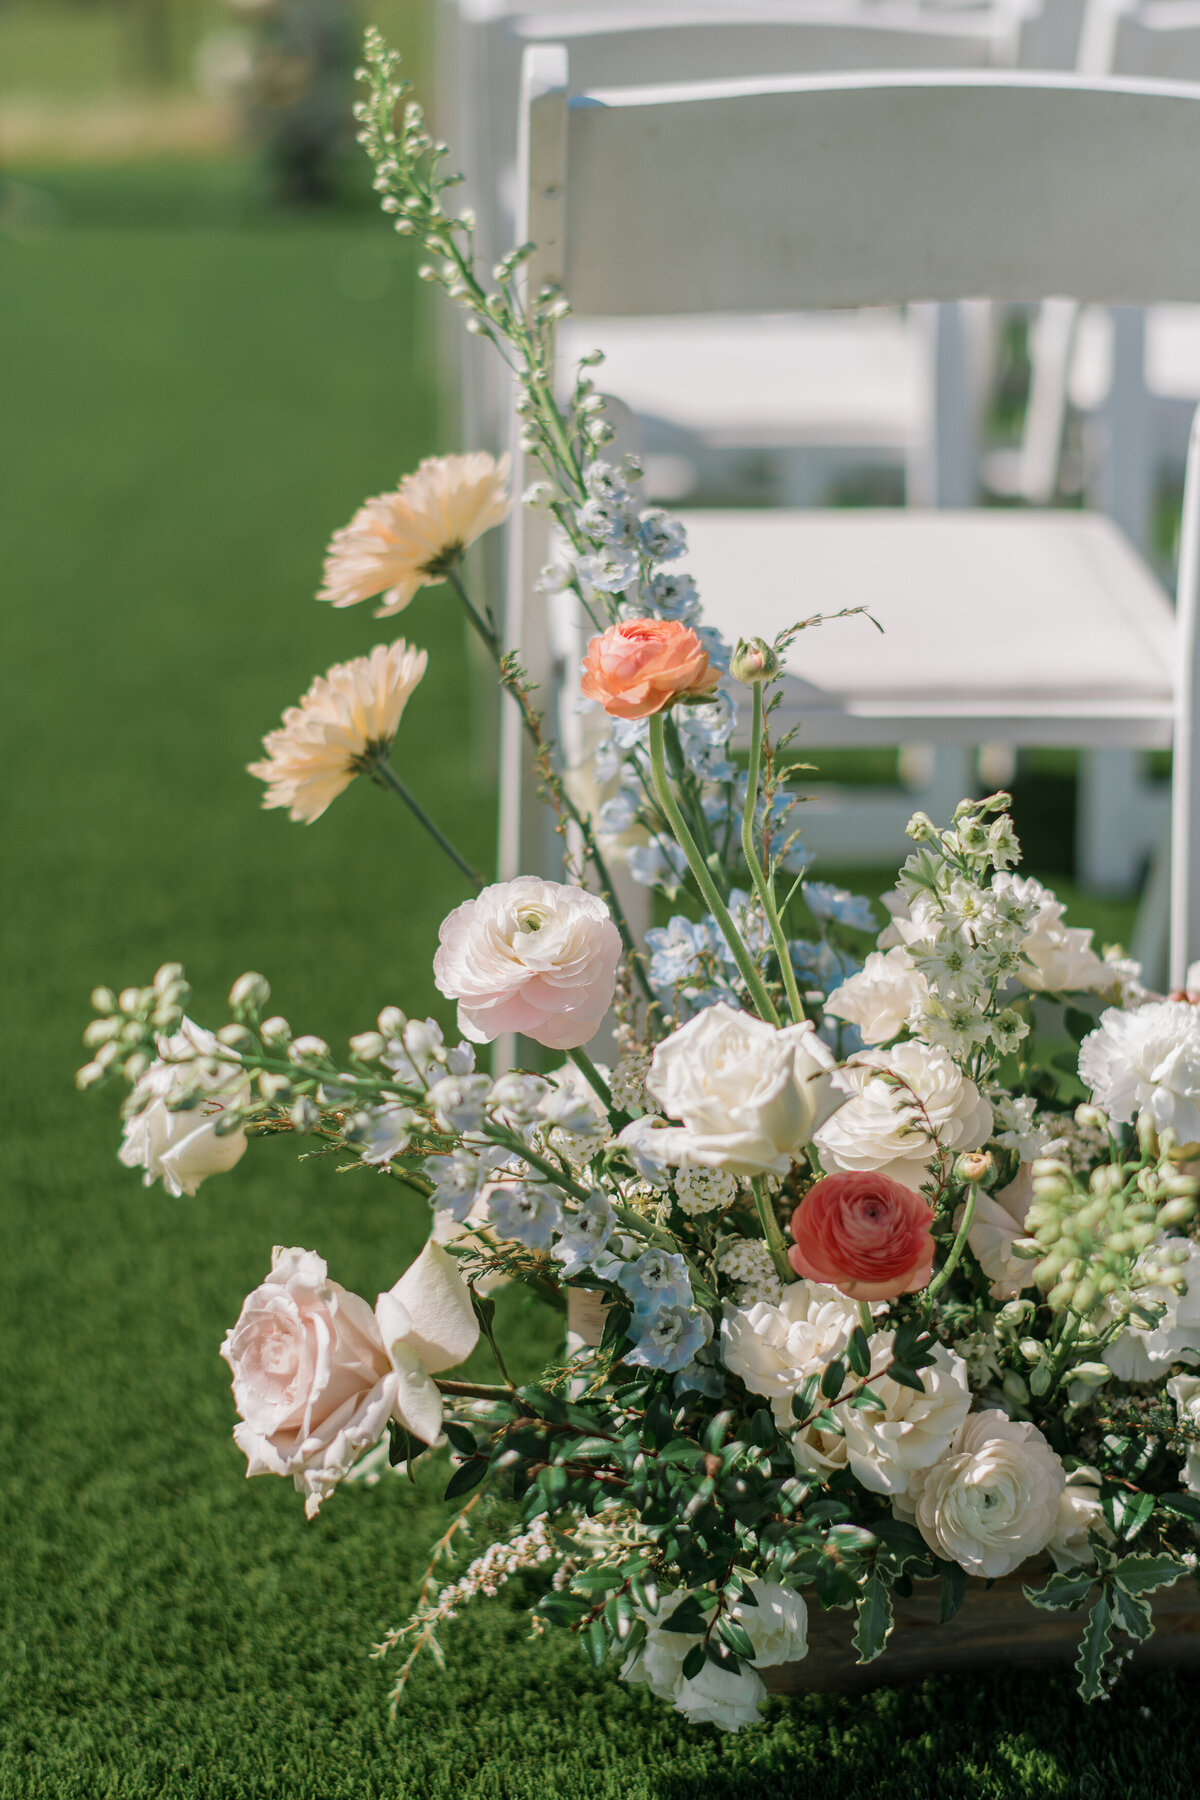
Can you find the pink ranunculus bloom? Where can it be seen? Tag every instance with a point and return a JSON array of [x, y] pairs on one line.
[[532, 956], [641, 665], [865, 1234]]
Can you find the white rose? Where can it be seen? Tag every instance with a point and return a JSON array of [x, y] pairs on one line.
[[1185, 1392], [1079, 1512], [886, 1126], [183, 1148], [992, 1501], [750, 1095], [774, 1349], [998, 1224], [718, 1697], [317, 1374], [886, 1446], [777, 1627], [1147, 1061], [882, 998], [1143, 1353]]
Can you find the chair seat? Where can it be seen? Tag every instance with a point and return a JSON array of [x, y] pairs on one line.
[[777, 381], [1031, 628]]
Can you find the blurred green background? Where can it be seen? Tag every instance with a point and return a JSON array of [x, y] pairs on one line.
[[200, 378]]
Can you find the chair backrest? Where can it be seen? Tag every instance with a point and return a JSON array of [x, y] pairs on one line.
[[854, 190], [1156, 40]]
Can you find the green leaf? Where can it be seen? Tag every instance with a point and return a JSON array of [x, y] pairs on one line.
[[874, 1619], [595, 1581], [954, 1589], [1139, 1574], [468, 1475], [681, 1451], [859, 1352], [737, 1638], [460, 1438], [1062, 1593], [1131, 1512], [687, 1618], [595, 1643], [760, 1429], [805, 1397], [645, 1593], [1131, 1613], [906, 1377], [1078, 1023], [867, 1397], [1186, 1505], [693, 1662], [833, 1380], [403, 1447], [1093, 1647]]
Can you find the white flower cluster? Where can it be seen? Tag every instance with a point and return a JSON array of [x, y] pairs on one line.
[[748, 1262], [705, 1190], [488, 1573]]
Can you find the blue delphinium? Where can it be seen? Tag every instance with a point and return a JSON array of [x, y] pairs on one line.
[[657, 1278], [585, 1234], [669, 1338], [827, 902], [526, 1212]]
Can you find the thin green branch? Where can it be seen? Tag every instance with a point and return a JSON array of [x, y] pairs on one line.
[[385, 776], [763, 885]]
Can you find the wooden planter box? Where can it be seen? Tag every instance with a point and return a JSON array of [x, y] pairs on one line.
[[993, 1626]]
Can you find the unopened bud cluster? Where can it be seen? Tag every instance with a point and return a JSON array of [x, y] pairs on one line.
[[124, 1037], [1089, 1237]]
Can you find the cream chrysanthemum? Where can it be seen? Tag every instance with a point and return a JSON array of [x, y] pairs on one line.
[[408, 539], [344, 724]]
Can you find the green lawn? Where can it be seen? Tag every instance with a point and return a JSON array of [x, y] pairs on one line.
[[187, 412]]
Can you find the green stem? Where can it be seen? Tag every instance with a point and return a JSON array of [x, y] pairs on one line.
[[865, 1319], [486, 631], [598, 1085], [687, 788], [772, 1231], [473, 1390], [386, 776], [956, 1249], [704, 880], [1062, 1355], [762, 885]]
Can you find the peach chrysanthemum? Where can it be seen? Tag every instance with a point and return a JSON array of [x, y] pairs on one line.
[[408, 539], [342, 727]]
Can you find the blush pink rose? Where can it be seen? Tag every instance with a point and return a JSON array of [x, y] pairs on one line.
[[532, 956], [865, 1234], [639, 667]]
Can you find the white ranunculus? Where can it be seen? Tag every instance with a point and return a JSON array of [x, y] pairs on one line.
[[182, 1148], [1143, 1353], [999, 1224], [886, 1126], [1185, 1392], [1079, 1512], [317, 1374], [773, 1349], [1147, 1060], [886, 1446], [749, 1095], [992, 1501], [883, 997]]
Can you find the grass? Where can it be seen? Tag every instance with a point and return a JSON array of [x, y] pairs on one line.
[[187, 414]]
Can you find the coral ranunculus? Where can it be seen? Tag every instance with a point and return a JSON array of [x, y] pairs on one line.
[[865, 1234], [639, 666]]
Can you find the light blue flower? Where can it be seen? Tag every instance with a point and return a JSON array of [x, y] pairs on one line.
[[644, 1141], [658, 1278], [673, 594], [584, 1234], [660, 863], [820, 965], [457, 1180], [611, 570], [527, 1212], [719, 652], [606, 521], [701, 1376], [619, 813], [662, 537], [670, 1338], [676, 951], [828, 902], [603, 482]]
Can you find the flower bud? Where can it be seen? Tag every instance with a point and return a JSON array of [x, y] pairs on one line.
[[368, 1046], [1106, 1180], [135, 1066], [1090, 1118], [1091, 1374], [305, 1114], [1176, 1212], [100, 1031], [249, 993], [129, 999], [236, 1037], [392, 1021], [273, 1087], [975, 1168], [88, 1076], [1147, 1135], [754, 661], [167, 977], [104, 1000], [275, 1030], [308, 1049]]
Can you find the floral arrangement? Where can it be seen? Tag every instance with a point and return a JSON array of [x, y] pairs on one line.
[[881, 1243]]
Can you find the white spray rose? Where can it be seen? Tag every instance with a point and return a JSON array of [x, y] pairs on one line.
[[1143, 1353], [883, 997], [317, 1374], [182, 1148], [1185, 1392], [886, 1125], [749, 1094], [999, 1224], [1079, 1512], [886, 1445], [992, 1501], [777, 1627], [1147, 1061]]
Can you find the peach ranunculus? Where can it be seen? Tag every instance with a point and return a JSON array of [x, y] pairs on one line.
[[533, 956], [412, 537], [640, 666], [865, 1234], [317, 1374]]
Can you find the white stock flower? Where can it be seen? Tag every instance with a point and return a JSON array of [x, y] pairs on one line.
[[1185, 1392], [887, 1125], [182, 1148], [992, 1501], [317, 1374], [883, 997], [1080, 1511], [344, 723], [1061, 955], [1142, 1352], [749, 1094], [886, 1446], [399, 542], [531, 956], [998, 1224], [1147, 1061]]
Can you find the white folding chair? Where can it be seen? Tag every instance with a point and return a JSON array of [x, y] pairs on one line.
[[1031, 629]]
